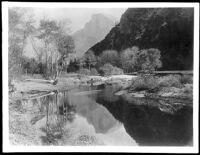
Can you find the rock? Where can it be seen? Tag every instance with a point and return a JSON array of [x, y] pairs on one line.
[[138, 94], [121, 92], [167, 94]]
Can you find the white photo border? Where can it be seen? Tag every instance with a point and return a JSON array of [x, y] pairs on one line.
[[11, 148]]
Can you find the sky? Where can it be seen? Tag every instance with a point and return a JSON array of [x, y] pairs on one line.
[[78, 17]]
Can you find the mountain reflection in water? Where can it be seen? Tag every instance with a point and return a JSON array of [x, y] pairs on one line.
[[147, 124], [113, 119]]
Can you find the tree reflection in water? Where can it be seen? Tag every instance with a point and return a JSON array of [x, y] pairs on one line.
[[57, 116]]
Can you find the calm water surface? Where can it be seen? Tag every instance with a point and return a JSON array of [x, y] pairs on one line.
[[113, 119]]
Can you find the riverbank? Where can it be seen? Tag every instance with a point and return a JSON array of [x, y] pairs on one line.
[[22, 131], [167, 86], [170, 93], [25, 89]]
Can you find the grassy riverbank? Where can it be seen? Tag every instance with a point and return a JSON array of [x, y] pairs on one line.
[[168, 93], [25, 88], [166, 86]]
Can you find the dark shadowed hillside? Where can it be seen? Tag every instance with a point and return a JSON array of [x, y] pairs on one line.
[[93, 31], [168, 29]]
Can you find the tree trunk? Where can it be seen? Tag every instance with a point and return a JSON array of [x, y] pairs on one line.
[[46, 71]]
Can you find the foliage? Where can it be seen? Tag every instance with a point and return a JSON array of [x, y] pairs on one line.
[[109, 56], [14, 58], [133, 59], [84, 71], [108, 69], [74, 65], [57, 46], [94, 72], [149, 59], [15, 71], [19, 30], [144, 82], [186, 79], [65, 45], [32, 66], [129, 59], [48, 30], [151, 82], [89, 59], [170, 81], [188, 89]]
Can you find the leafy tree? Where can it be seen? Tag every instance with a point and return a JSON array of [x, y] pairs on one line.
[[133, 59], [129, 59], [90, 59], [108, 69], [110, 56], [94, 71], [149, 59], [65, 44], [84, 71], [33, 66], [73, 66]]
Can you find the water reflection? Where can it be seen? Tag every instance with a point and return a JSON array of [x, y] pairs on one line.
[[113, 119], [147, 124]]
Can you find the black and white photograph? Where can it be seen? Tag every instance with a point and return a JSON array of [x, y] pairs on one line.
[[100, 77]]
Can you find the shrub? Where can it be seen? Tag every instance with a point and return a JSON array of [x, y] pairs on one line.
[[144, 82], [109, 56], [150, 59], [84, 71], [170, 81], [188, 89], [186, 79], [15, 72], [108, 69], [93, 71], [117, 71]]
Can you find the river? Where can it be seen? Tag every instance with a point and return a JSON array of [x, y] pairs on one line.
[[96, 115]]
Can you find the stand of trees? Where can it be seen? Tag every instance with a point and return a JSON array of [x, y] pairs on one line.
[[50, 41], [133, 59], [20, 27], [129, 60]]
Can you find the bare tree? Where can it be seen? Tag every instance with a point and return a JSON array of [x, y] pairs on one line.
[[57, 45], [20, 27]]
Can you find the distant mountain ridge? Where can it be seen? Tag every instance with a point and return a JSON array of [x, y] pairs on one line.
[[94, 31]]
